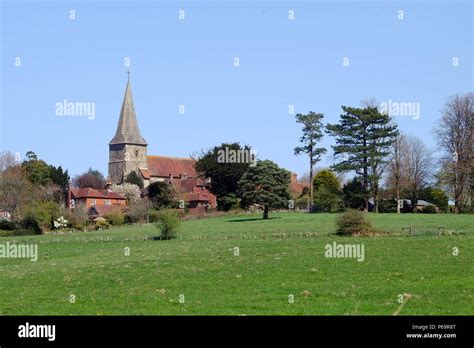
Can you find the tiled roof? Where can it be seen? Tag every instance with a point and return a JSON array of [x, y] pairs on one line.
[[86, 192], [111, 194], [297, 187], [184, 185], [145, 172], [93, 193], [198, 196], [164, 166], [101, 210]]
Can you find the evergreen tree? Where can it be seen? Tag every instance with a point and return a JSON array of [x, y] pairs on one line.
[[265, 184], [224, 173], [363, 140], [135, 179], [312, 134], [161, 195]]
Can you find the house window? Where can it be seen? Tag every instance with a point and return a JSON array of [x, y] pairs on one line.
[[107, 202], [94, 202]]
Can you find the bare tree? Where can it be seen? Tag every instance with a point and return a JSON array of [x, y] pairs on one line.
[[455, 137], [7, 160], [395, 168], [417, 162], [15, 190]]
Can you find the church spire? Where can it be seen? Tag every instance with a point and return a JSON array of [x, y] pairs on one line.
[[127, 128]]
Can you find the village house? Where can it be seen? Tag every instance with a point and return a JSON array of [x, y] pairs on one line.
[[90, 197], [296, 187]]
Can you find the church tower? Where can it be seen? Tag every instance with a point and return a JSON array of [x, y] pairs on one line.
[[127, 149]]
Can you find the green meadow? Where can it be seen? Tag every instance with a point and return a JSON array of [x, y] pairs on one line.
[[243, 265]]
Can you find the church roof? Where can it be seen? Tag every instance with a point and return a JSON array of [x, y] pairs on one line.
[[127, 128], [164, 166]]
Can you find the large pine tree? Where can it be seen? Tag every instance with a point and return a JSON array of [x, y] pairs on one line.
[[363, 140], [265, 184], [312, 134]]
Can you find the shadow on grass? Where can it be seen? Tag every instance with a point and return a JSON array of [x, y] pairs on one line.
[[253, 219]]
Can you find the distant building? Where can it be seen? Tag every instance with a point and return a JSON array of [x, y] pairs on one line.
[[296, 187], [406, 204], [5, 215], [128, 153], [90, 197]]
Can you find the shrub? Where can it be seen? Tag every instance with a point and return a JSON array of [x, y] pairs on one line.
[[116, 218], [327, 200], [302, 202], [39, 216], [227, 202], [12, 233], [7, 225], [153, 215], [429, 209], [353, 222], [102, 225], [168, 223]]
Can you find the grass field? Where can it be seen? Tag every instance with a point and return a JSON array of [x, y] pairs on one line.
[[277, 258]]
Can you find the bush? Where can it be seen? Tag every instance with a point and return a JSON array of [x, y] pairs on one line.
[[353, 222], [302, 202], [14, 233], [168, 223], [7, 225], [387, 206], [429, 209], [327, 200], [227, 202], [102, 225], [153, 215], [115, 218], [39, 216]]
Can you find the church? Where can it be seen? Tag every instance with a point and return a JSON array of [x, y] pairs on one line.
[[128, 153]]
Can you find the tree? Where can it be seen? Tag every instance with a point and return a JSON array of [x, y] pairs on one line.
[[436, 196], [327, 178], [37, 171], [417, 168], [265, 184], [327, 193], [395, 167], [134, 178], [130, 191], [363, 140], [312, 134], [160, 194], [16, 191], [7, 160], [139, 211], [455, 136], [224, 174], [92, 178], [354, 194]]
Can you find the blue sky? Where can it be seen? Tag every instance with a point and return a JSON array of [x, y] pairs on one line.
[[191, 62]]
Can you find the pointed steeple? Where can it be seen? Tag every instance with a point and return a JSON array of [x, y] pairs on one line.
[[127, 128]]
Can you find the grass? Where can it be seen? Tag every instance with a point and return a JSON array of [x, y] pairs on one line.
[[277, 257]]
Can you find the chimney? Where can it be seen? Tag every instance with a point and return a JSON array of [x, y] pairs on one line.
[[294, 177], [69, 198]]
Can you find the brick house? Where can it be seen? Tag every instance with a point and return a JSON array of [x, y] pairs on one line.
[[90, 197], [296, 187]]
